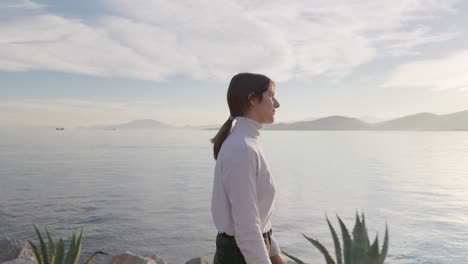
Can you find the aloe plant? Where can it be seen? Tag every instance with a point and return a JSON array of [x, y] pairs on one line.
[[356, 249], [54, 253]]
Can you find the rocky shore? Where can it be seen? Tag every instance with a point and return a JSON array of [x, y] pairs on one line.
[[19, 252]]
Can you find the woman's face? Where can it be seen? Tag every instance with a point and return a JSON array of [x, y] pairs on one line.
[[264, 111]]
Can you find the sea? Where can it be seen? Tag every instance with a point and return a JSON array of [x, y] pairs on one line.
[[149, 191]]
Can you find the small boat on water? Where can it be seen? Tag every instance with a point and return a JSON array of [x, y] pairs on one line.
[[59, 128]]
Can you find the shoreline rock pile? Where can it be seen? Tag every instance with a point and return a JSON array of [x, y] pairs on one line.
[[19, 252]]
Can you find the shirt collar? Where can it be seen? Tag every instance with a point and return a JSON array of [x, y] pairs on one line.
[[248, 126]]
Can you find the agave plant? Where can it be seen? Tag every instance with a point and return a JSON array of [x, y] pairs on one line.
[[356, 250], [55, 253]]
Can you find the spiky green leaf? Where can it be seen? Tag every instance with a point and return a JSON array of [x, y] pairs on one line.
[[336, 242], [45, 256], [79, 243], [298, 261], [51, 248], [373, 253], [60, 254], [71, 249], [383, 254], [359, 246], [366, 236], [322, 249], [36, 253], [347, 242]]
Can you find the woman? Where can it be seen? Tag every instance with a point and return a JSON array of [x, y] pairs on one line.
[[243, 189]]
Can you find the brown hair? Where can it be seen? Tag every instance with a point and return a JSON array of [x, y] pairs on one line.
[[242, 88]]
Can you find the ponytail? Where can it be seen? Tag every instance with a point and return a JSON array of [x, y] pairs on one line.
[[222, 134]]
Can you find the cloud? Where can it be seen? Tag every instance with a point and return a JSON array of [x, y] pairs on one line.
[[438, 74], [155, 40], [49, 42], [26, 4], [403, 43]]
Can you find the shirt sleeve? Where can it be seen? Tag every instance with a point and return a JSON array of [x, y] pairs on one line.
[[274, 248], [240, 184]]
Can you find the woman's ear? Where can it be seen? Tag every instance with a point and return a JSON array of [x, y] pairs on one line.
[[253, 102]]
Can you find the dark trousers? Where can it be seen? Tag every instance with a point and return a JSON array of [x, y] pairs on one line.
[[227, 251]]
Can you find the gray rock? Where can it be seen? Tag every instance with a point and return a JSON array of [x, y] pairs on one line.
[[126, 258], [102, 259], [201, 260], [21, 260], [158, 259], [12, 249]]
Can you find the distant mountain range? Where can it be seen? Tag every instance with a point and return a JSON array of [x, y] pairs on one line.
[[417, 122], [428, 121], [326, 123], [138, 124]]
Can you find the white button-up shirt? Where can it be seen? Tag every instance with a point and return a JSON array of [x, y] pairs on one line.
[[244, 192]]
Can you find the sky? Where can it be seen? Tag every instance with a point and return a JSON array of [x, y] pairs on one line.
[[81, 63]]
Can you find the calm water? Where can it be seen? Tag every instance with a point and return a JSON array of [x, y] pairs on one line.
[[150, 191]]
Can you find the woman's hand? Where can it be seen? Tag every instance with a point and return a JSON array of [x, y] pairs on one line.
[[278, 259]]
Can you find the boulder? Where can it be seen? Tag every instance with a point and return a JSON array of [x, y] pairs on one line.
[[21, 260], [158, 259], [201, 260], [126, 258], [11, 249]]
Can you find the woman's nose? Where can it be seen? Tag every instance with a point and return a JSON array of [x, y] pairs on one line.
[[276, 103]]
